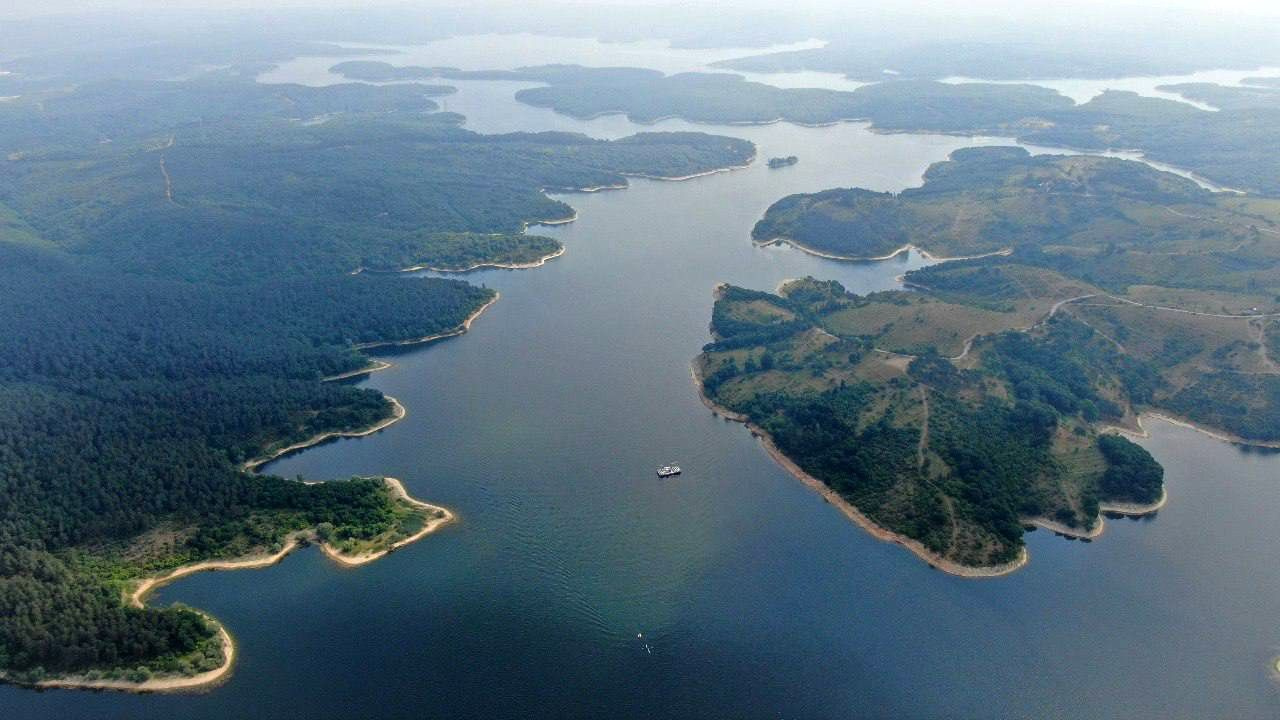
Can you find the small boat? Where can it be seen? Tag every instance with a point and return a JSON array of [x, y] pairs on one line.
[[668, 471]]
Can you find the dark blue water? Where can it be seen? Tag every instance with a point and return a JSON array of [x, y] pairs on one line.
[[541, 429]]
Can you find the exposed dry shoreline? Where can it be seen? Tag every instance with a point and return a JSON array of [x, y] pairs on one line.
[[905, 248], [445, 517], [850, 511], [1216, 434], [465, 326], [1104, 508], [490, 265], [704, 173], [201, 681], [373, 367], [397, 414], [542, 260]]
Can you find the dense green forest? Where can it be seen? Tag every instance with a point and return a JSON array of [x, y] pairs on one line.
[[1231, 146], [237, 196], [177, 276]]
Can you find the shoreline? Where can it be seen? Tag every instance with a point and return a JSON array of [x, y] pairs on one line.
[[1216, 434], [1131, 510], [397, 489], [852, 512], [373, 367], [551, 221], [489, 265], [484, 264], [904, 249], [398, 412], [459, 330], [164, 684], [682, 178]]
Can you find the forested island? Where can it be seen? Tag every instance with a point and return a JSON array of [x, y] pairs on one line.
[[781, 162], [177, 279], [981, 399]]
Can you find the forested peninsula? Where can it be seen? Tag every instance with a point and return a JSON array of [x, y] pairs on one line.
[[982, 399], [1233, 146], [177, 279]]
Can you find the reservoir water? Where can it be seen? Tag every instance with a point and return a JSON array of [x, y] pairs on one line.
[[541, 429]]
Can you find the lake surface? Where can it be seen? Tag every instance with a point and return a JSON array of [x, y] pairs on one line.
[[542, 428]]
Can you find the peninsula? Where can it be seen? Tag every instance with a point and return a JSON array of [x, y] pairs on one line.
[[984, 399], [176, 275]]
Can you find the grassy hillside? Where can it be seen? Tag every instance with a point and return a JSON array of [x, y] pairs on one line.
[[953, 411], [955, 454]]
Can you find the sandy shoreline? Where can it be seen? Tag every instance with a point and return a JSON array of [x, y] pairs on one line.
[[193, 683], [477, 266], [1222, 435], [850, 511], [397, 414], [397, 488], [905, 248], [682, 178], [552, 221], [464, 327], [372, 367], [490, 265]]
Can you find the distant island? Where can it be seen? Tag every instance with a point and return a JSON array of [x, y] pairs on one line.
[[1232, 147], [983, 399], [781, 162]]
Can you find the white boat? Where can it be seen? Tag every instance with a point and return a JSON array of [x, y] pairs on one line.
[[668, 471]]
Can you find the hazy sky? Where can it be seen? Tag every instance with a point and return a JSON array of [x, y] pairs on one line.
[[1020, 7]]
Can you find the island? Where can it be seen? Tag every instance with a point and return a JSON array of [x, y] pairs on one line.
[[994, 392], [188, 268], [1232, 147], [781, 162]]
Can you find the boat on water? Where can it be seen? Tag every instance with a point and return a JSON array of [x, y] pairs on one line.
[[669, 471]]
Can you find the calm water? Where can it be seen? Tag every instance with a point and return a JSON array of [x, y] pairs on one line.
[[542, 427]]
